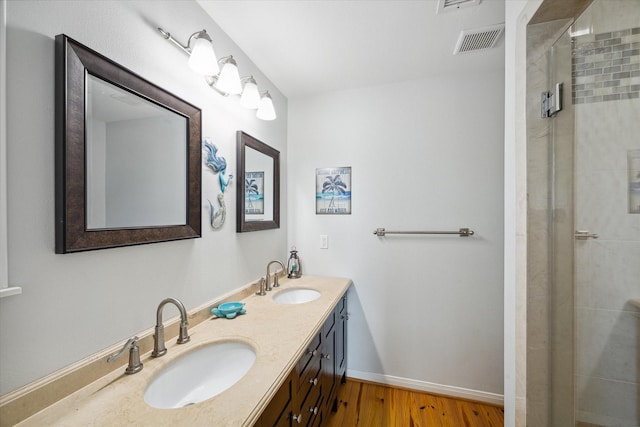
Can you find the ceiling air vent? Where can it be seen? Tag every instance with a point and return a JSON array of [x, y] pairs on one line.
[[447, 5], [478, 39]]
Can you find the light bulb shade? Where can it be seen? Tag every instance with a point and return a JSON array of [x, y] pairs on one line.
[[266, 110], [250, 96], [229, 78], [203, 59]]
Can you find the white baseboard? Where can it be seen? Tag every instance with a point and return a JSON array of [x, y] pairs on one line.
[[445, 390]]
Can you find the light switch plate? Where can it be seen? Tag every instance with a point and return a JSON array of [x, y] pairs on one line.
[[324, 241]]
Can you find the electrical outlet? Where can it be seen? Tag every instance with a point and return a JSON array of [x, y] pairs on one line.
[[324, 241]]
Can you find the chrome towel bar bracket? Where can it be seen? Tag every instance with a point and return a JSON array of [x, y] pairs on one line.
[[462, 232]]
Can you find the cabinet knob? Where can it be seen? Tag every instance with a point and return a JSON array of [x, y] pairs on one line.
[[314, 410], [312, 352], [297, 418], [313, 381], [326, 356], [345, 316]]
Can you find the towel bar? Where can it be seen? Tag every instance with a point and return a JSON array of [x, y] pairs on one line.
[[463, 232]]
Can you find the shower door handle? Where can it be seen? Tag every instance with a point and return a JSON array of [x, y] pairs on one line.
[[584, 235]]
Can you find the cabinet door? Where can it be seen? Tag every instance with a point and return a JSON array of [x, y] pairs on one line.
[[341, 340], [279, 411], [329, 376]]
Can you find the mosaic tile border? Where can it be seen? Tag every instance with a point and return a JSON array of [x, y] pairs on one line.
[[606, 66]]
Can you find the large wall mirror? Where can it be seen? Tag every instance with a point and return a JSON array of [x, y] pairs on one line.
[[258, 199], [128, 156]]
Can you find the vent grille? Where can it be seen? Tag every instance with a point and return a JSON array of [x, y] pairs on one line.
[[478, 39], [448, 5]]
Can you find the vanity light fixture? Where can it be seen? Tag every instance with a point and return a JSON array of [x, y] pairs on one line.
[[202, 58], [265, 109], [223, 75], [250, 97]]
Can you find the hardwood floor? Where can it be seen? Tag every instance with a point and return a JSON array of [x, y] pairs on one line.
[[367, 404]]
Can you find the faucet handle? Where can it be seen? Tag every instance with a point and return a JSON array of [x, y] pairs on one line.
[[261, 292], [183, 336], [135, 365]]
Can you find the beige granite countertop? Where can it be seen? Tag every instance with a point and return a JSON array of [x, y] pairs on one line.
[[279, 333]]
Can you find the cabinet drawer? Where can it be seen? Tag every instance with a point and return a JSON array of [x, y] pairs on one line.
[[306, 362], [311, 379], [312, 405]]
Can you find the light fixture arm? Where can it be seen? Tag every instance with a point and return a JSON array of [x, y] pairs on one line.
[[185, 48], [211, 81]]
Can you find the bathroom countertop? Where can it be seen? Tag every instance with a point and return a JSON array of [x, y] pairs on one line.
[[280, 334]]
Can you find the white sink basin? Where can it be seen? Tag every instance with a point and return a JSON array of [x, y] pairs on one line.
[[296, 296], [200, 374]]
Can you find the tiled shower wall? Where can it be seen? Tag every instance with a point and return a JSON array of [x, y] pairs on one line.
[[607, 113], [607, 268], [606, 66]]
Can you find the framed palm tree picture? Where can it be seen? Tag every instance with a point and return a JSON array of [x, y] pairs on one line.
[[254, 193], [333, 191]]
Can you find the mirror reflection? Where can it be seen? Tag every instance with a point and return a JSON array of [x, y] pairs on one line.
[[258, 200], [136, 160], [258, 191]]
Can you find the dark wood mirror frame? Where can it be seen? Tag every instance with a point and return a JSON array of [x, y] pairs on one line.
[[74, 62], [244, 140]]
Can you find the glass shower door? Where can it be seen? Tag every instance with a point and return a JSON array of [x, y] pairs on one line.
[[607, 219], [595, 244], [596, 223]]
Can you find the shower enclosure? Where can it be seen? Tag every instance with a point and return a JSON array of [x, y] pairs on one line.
[[583, 355]]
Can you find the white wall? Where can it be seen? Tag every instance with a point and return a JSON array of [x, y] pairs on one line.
[[74, 305], [427, 311]]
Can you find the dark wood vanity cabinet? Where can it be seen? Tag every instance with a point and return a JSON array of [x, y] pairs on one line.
[[278, 413], [310, 392]]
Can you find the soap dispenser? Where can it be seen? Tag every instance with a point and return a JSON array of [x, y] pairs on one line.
[[294, 268]]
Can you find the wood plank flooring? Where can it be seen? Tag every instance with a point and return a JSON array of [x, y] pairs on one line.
[[367, 404]]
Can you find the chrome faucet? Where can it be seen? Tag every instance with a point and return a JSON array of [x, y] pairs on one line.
[[135, 365], [275, 276], [158, 339]]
